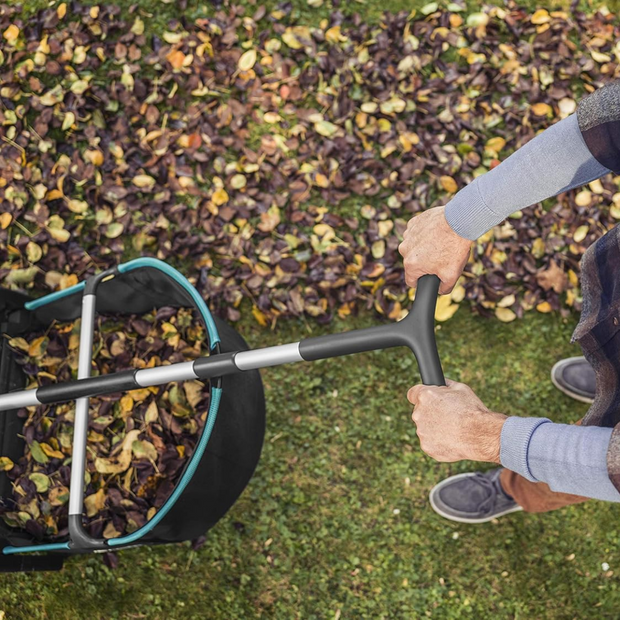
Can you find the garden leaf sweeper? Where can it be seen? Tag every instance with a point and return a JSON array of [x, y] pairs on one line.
[[230, 443]]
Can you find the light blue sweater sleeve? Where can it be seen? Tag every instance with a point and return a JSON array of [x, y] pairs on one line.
[[569, 458], [552, 162]]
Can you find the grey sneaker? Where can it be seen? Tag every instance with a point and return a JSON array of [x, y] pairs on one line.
[[575, 377], [472, 498]]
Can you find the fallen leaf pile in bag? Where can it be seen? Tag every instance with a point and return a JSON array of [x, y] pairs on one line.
[[138, 441]]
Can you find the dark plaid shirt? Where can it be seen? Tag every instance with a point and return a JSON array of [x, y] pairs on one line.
[[598, 331]]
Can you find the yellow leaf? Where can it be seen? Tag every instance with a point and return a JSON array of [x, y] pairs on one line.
[[11, 34], [272, 117], [247, 60], [122, 461], [321, 180], [538, 247], [54, 194], [78, 206], [378, 249], [541, 16], [126, 404], [110, 531], [580, 233], [540, 109], [583, 198], [79, 86], [445, 309], [238, 181], [56, 454], [68, 121], [219, 197], [5, 219], [67, 281], [505, 315], [52, 97], [567, 106], [544, 307], [333, 35], [174, 37], [94, 156], [369, 107], [138, 27], [35, 348], [33, 252], [291, 40], [56, 229], [325, 128], [19, 343], [600, 57], [448, 183], [495, 144], [259, 316], [324, 231], [408, 140], [193, 392], [458, 293], [94, 503], [596, 186], [506, 301], [6, 463], [61, 11], [152, 413], [269, 220], [143, 181]]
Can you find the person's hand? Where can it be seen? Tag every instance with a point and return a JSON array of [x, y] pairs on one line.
[[430, 246], [453, 424]]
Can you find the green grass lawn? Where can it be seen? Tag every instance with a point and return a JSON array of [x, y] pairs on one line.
[[336, 523]]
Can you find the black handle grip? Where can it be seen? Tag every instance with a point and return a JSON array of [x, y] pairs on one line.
[[421, 322], [415, 331]]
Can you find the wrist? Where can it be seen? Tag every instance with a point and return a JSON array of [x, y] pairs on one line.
[[464, 241], [490, 434]]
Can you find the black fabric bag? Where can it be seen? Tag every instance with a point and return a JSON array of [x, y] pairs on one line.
[[235, 444]]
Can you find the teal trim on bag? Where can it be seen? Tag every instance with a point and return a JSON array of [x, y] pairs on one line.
[[216, 395], [48, 299], [50, 547], [147, 261]]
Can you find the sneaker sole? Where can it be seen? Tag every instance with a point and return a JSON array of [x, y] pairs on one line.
[[564, 389], [451, 517]]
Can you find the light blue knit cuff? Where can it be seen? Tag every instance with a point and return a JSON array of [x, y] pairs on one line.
[[514, 443], [468, 215]]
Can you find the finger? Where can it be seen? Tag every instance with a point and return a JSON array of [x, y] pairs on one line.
[[413, 395], [411, 281], [415, 416], [451, 383], [445, 287], [412, 275]]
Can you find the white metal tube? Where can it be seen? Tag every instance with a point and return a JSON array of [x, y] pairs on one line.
[[80, 426], [181, 371], [15, 400], [270, 356]]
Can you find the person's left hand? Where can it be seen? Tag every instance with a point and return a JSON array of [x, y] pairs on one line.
[[453, 424]]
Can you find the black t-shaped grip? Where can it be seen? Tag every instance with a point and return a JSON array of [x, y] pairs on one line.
[[416, 331]]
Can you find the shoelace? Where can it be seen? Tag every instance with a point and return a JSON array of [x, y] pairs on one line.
[[493, 488]]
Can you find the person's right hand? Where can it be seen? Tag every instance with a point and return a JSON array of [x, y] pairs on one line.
[[430, 246]]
